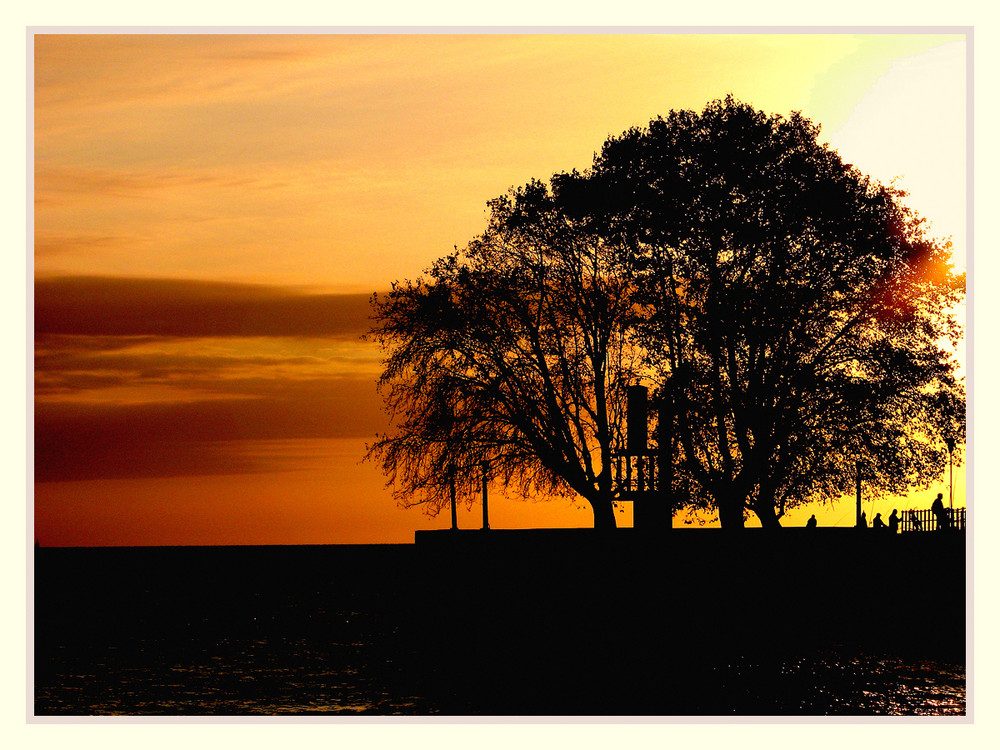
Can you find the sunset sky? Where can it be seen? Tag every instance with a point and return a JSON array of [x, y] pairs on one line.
[[212, 213]]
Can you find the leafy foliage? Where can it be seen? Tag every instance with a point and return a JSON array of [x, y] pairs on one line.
[[794, 315], [796, 308], [515, 351]]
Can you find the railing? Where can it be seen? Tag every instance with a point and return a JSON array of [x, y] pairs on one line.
[[925, 520], [636, 472]]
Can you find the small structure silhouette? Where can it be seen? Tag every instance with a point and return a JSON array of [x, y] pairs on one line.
[[915, 521], [642, 476], [862, 521], [893, 522]]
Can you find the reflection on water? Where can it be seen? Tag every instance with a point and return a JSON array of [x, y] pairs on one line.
[[253, 677], [837, 682], [256, 677], [221, 632]]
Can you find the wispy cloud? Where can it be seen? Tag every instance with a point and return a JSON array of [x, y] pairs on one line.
[[163, 69], [49, 243], [155, 377], [76, 441], [134, 369], [125, 183], [105, 306]]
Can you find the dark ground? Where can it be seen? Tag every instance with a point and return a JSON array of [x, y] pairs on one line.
[[509, 623]]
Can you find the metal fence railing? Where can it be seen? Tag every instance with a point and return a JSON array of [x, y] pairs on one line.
[[925, 520]]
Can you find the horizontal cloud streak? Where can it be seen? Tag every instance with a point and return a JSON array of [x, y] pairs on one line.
[[76, 441], [105, 306], [55, 244], [53, 181], [163, 378], [72, 365]]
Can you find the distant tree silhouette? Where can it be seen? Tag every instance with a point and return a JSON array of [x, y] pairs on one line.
[[791, 309], [517, 351]]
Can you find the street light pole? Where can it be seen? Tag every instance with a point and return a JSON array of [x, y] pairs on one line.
[[950, 441], [485, 465], [857, 490], [454, 510]]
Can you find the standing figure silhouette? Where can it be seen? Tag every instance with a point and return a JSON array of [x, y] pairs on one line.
[[940, 514], [893, 522]]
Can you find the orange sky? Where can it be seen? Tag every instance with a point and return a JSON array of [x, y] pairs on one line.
[[211, 213]]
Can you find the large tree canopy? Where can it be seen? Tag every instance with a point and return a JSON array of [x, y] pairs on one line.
[[793, 315], [797, 311]]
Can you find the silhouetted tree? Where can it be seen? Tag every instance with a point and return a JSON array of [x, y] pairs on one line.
[[515, 351], [793, 312], [796, 310]]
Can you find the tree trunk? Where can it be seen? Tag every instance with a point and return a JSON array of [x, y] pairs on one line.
[[764, 508], [768, 518], [604, 514], [731, 513]]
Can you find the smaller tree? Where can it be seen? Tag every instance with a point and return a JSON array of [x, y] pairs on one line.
[[515, 351]]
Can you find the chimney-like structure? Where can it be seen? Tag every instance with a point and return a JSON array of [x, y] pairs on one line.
[[636, 419], [640, 471]]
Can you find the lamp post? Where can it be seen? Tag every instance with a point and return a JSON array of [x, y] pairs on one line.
[[454, 510], [950, 442], [857, 491], [485, 465]]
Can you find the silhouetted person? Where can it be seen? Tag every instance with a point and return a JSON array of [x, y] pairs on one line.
[[811, 523], [863, 521], [917, 526], [893, 522], [878, 523], [940, 514]]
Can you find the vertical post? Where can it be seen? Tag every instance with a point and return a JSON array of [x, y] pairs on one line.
[[950, 442], [636, 419], [665, 469], [636, 438], [857, 491], [485, 465], [454, 511]]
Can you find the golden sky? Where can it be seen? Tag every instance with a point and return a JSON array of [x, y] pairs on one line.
[[212, 212]]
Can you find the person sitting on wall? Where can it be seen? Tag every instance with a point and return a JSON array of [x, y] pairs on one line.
[[811, 523], [863, 521], [878, 523], [893, 522]]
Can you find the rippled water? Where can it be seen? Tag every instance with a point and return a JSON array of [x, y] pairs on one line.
[[115, 637], [228, 678], [839, 682], [299, 678]]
